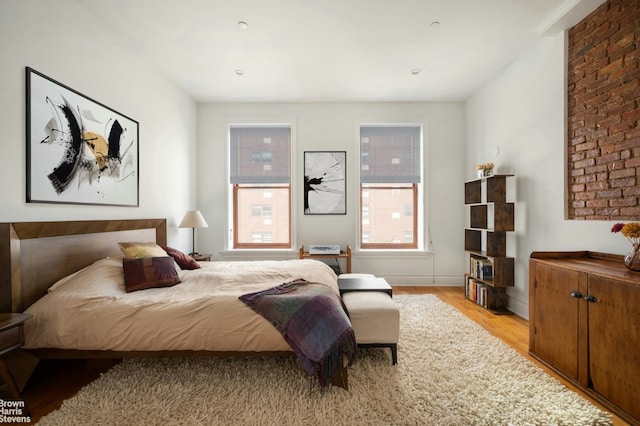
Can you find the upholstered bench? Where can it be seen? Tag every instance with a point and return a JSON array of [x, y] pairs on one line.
[[375, 317]]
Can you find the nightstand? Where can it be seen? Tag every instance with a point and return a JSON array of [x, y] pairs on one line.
[[201, 257], [11, 338]]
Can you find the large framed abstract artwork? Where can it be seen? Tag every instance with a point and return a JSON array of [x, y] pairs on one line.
[[325, 176], [79, 151]]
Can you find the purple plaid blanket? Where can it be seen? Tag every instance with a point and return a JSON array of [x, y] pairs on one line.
[[313, 320]]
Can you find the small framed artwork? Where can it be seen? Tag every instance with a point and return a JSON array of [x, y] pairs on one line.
[[79, 151], [325, 176]]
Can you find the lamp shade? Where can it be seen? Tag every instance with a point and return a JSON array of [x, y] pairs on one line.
[[193, 219]]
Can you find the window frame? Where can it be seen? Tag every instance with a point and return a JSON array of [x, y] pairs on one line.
[[234, 189], [418, 210], [390, 246]]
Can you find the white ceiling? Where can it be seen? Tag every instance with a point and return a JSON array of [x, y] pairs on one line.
[[333, 50]]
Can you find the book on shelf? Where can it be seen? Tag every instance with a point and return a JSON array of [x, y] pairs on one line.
[[476, 291], [481, 268]]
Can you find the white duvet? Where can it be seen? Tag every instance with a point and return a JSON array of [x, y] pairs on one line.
[[90, 310]]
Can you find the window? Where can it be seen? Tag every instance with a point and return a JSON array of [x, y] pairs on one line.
[[390, 178], [260, 180]]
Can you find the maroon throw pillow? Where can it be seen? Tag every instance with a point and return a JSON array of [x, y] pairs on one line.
[[183, 260], [149, 272]]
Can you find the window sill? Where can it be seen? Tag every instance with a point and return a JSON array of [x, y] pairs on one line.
[[392, 254], [261, 254]]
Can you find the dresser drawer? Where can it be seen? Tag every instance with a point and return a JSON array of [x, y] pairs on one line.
[[10, 338]]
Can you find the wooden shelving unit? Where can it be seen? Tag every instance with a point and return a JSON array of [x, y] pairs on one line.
[[490, 217]]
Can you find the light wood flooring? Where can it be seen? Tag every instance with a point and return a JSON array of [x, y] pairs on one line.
[[56, 381]]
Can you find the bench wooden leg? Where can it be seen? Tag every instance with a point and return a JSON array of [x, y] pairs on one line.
[[394, 353], [392, 346], [341, 378]]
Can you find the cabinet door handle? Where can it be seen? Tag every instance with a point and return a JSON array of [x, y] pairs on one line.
[[590, 298], [576, 294]]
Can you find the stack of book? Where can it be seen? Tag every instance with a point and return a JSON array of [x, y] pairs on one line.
[[476, 291], [481, 268]]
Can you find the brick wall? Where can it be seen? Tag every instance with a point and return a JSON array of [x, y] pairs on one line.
[[604, 114]]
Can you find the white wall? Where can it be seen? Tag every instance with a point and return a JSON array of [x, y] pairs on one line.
[[521, 114], [334, 126], [63, 41]]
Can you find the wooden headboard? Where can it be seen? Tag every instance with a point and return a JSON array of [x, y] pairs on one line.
[[34, 255]]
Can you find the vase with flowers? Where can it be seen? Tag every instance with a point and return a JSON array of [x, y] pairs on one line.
[[485, 169], [631, 231]]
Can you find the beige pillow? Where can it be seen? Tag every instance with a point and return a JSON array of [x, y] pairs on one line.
[[141, 250]]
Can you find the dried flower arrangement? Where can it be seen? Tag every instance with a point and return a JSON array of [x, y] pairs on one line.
[[485, 169]]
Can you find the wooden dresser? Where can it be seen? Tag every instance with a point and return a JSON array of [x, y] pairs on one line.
[[584, 322]]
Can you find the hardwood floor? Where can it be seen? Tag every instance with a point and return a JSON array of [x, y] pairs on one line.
[[55, 381]]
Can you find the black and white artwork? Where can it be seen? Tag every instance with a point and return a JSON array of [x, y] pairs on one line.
[[79, 151], [325, 182]]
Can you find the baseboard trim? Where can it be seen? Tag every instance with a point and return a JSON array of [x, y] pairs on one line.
[[424, 280]]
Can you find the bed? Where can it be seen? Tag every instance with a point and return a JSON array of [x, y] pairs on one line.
[[69, 276]]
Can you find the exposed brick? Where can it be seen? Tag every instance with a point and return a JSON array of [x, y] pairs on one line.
[[606, 212], [585, 178], [609, 121], [633, 132], [583, 212], [576, 157], [586, 146], [617, 109], [618, 174], [601, 171], [628, 145], [621, 39], [612, 139], [631, 213], [630, 17], [585, 163], [633, 55], [597, 185], [627, 67], [597, 203], [603, 113], [616, 165], [578, 140], [617, 183], [633, 191], [619, 128], [585, 195], [623, 202], [632, 162], [610, 193], [593, 153], [614, 65], [608, 158], [631, 76]]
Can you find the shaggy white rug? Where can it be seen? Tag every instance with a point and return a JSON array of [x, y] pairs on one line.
[[450, 371]]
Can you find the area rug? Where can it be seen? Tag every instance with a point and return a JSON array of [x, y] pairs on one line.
[[450, 371]]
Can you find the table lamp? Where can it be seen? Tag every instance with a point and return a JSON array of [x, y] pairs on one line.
[[193, 219]]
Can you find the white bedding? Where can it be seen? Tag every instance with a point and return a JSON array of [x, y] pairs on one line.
[[92, 311]]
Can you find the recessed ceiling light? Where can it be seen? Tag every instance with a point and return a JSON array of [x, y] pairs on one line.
[[239, 72], [242, 25], [416, 71]]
